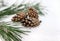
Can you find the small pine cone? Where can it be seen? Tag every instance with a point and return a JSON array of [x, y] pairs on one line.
[[31, 22], [32, 13], [18, 17]]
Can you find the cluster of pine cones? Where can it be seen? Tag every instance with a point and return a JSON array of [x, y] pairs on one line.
[[29, 19]]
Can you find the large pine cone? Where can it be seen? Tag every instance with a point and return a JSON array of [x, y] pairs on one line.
[[31, 22], [32, 12], [18, 17]]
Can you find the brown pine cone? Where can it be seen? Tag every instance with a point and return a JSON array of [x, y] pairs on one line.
[[18, 17], [32, 13], [31, 22]]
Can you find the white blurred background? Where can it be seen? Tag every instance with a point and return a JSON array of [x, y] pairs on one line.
[[49, 30]]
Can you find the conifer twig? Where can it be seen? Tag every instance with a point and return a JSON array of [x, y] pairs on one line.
[[10, 33]]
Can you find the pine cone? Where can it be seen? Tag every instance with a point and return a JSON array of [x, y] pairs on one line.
[[31, 22], [18, 17], [32, 13], [30, 19]]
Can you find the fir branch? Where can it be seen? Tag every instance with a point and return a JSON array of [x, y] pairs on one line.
[[10, 10], [14, 9], [10, 33]]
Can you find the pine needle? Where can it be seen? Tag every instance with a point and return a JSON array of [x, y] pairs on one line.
[[14, 9], [10, 33]]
